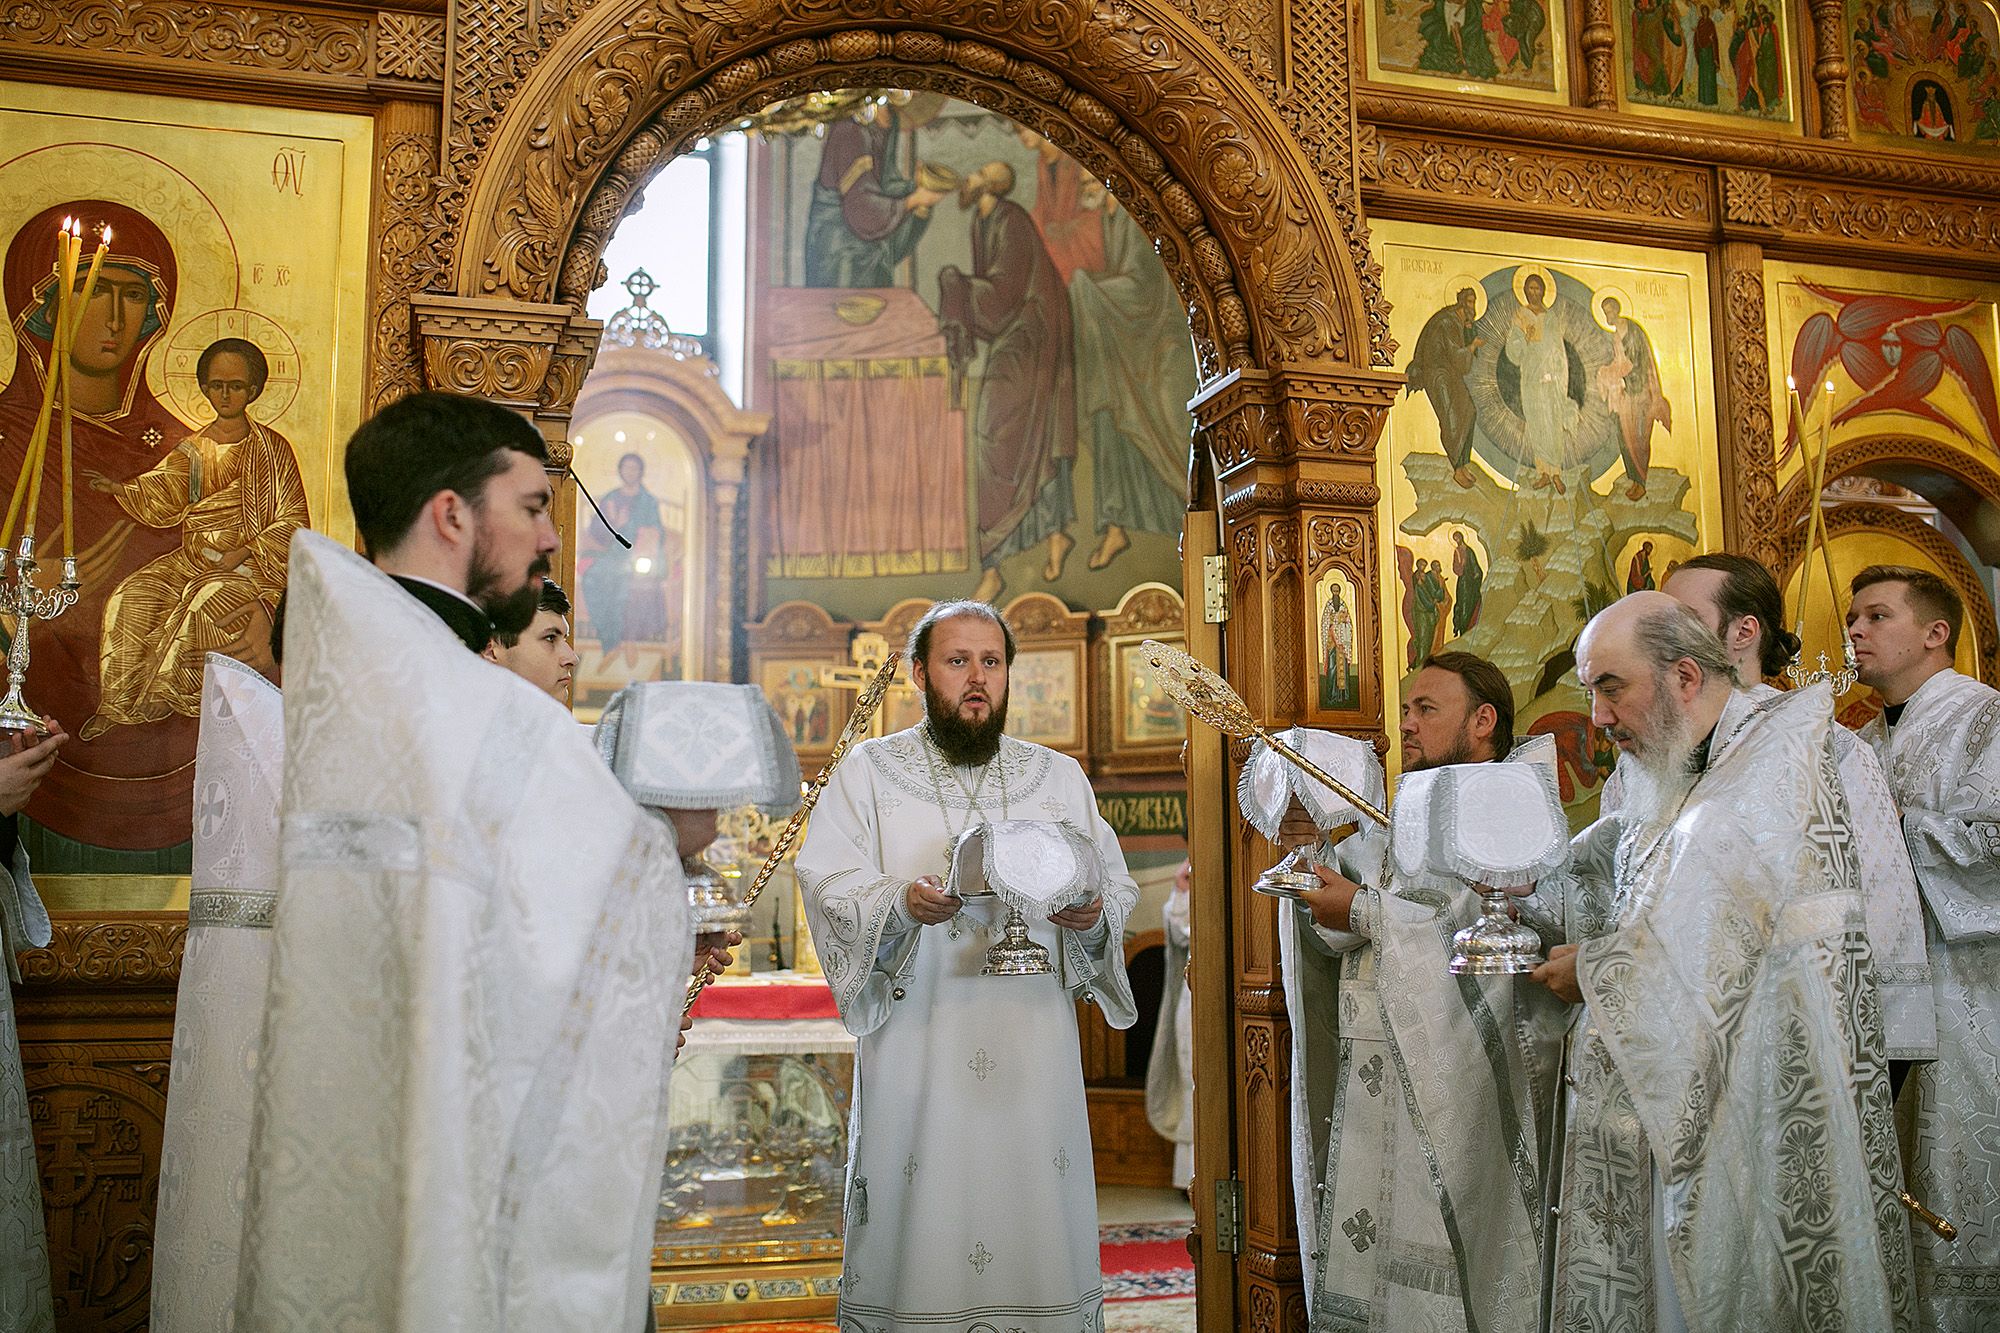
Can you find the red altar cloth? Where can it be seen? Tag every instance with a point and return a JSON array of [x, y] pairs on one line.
[[768, 1000]]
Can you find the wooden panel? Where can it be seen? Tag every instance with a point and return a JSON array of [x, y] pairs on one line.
[[1123, 1144]]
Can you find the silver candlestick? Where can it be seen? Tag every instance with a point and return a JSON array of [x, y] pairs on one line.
[[1842, 680], [28, 603]]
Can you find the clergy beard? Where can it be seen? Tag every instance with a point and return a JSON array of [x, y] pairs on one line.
[[511, 613], [963, 744], [1658, 777], [1459, 753]]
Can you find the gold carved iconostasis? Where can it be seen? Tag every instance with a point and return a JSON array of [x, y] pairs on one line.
[[238, 246], [1725, 170]]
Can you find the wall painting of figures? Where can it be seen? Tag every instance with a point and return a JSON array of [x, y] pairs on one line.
[[976, 366], [1925, 72], [1511, 48], [217, 375], [1728, 58], [1554, 448], [1907, 355]]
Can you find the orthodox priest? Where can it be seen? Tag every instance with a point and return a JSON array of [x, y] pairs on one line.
[[219, 1014], [971, 1199], [1739, 599], [1939, 741], [1419, 1098], [447, 1039], [1730, 1160]]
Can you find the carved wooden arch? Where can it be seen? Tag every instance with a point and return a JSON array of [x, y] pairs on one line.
[[685, 395], [1273, 265], [1951, 562], [1894, 458]]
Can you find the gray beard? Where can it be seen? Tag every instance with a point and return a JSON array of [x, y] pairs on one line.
[[1659, 778]]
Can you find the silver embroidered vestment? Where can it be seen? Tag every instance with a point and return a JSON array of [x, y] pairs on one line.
[[1730, 1096], [25, 1301], [1942, 760], [460, 1113], [1419, 1103], [971, 1200], [219, 1014]]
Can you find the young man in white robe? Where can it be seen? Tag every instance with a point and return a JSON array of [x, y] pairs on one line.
[[219, 1011], [971, 1198], [25, 1300], [461, 1108], [1420, 1099], [1730, 1159], [1739, 599], [1939, 742]]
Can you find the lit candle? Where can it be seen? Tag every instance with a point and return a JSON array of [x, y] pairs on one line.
[[76, 331], [38, 440], [67, 247]]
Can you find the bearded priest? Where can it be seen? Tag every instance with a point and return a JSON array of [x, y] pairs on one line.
[[1939, 741], [1730, 1161], [460, 1109], [1420, 1099], [971, 1200]]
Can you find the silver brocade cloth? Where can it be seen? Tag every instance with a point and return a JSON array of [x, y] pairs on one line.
[[1943, 766], [1732, 1049], [1420, 1101]]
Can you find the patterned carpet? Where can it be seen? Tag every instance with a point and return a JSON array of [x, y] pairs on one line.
[[1145, 1261]]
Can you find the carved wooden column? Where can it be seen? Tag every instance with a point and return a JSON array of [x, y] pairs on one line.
[[1829, 71], [1295, 458], [406, 153], [1600, 72], [1749, 472]]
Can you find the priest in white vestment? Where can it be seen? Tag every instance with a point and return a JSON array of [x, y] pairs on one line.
[[1420, 1099], [461, 1107], [219, 1013], [1939, 741], [971, 1197], [1731, 1161], [1170, 1066], [25, 1300], [1740, 600]]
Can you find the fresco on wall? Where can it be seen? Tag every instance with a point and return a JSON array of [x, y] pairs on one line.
[[1924, 72], [1717, 57], [1510, 45], [212, 394], [1554, 447], [977, 368]]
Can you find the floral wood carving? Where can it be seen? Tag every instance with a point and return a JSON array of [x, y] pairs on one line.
[[1640, 137], [405, 168], [142, 950], [1747, 428], [1422, 168], [1882, 452], [629, 84], [1888, 219], [248, 36]]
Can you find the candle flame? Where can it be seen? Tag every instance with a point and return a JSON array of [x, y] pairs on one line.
[[1791, 384], [105, 239]]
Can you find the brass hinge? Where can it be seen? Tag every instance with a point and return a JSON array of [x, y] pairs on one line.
[[1229, 1215], [1214, 589]]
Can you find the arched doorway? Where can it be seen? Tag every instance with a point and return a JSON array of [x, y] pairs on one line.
[[1254, 212]]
